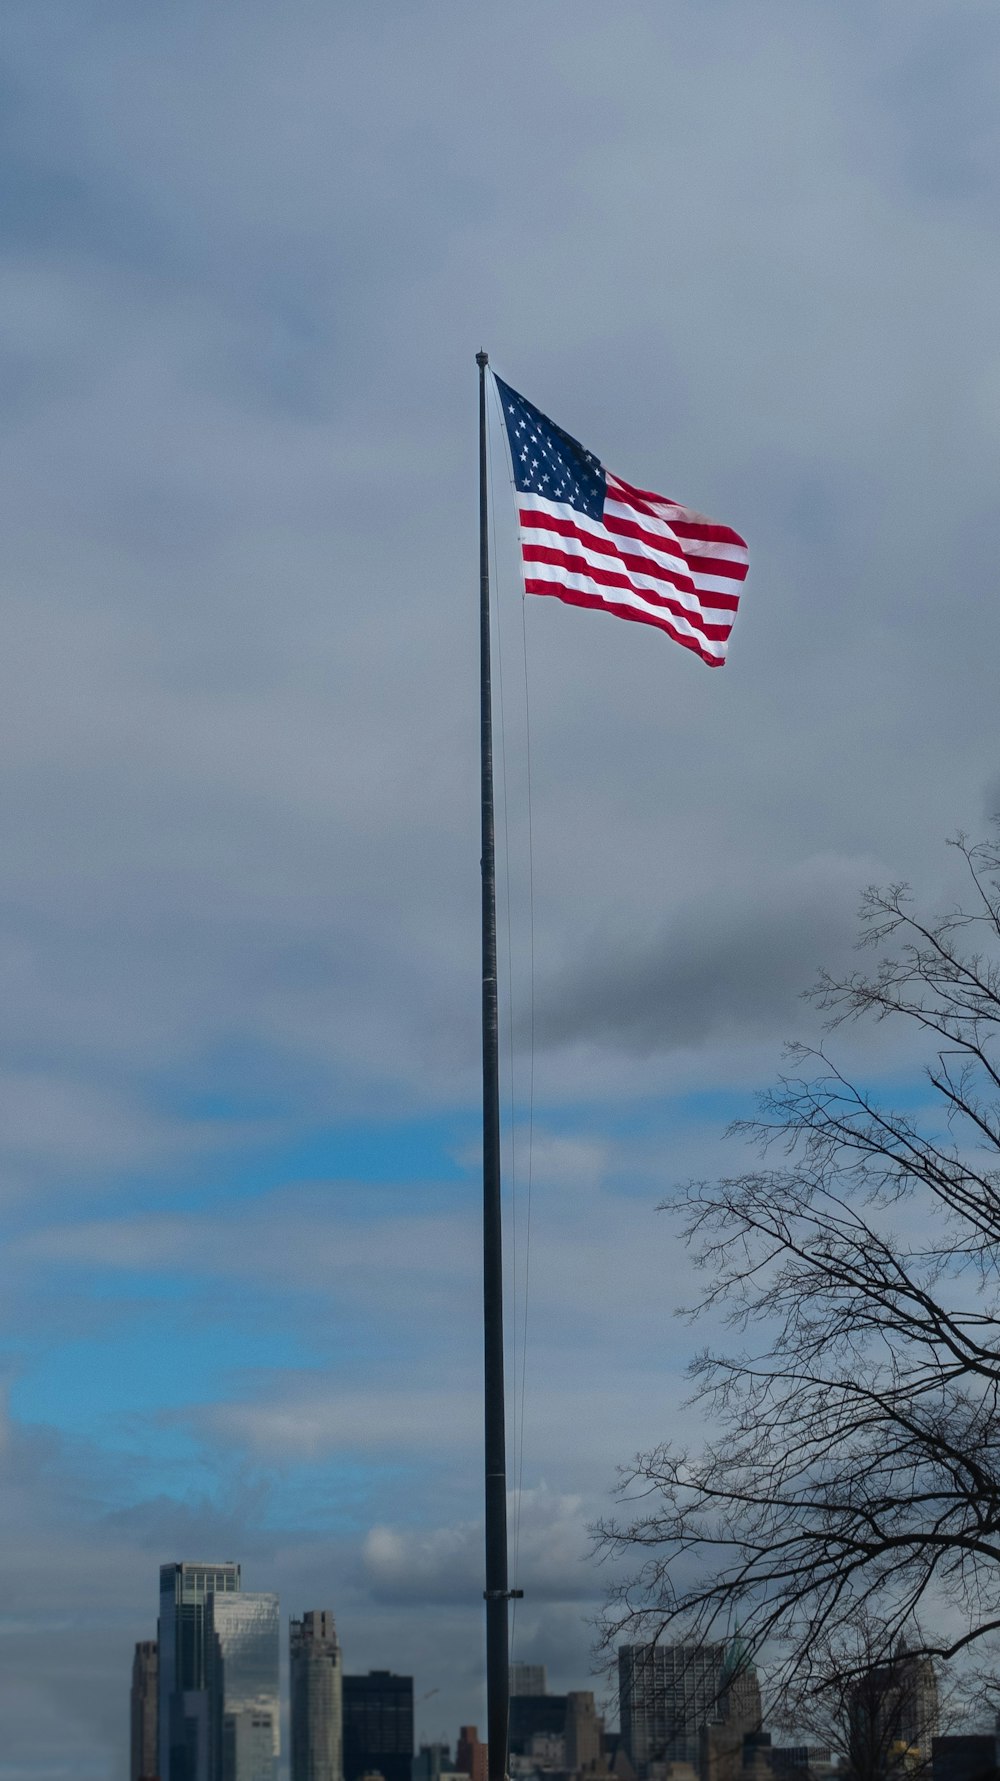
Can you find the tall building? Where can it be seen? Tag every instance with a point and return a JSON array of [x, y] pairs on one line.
[[527, 1679], [893, 1715], [739, 1698], [243, 1686], [731, 1743], [431, 1763], [183, 1730], [144, 1757], [534, 1716], [378, 1725], [668, 1693], [316, 1684], [471, 1756], [584, 1731]]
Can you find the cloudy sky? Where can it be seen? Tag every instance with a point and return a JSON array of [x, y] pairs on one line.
[[747, 251]]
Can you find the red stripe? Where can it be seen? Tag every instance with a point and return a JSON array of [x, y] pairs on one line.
[[691, 525], [607, 578], [603, 543], [717, 566], [572, 598], [705, 531], [626, 497], [550, 553], [533, 520], [641, 565], [581, 565], [627, 528]]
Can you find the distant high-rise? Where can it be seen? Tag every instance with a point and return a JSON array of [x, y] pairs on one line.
[[731, 1742], [183, 1731], [471, 1756], [535, 1716], [242, 1665], [378, 1725], [527, 1679], [668, 1693], [584, 1731], [143, 1765], [893, 1710], [432, 1762], [316, 1682]]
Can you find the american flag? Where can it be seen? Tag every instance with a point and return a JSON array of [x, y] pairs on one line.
[[593, 540]]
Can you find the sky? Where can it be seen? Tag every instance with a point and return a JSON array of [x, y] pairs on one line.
[[745, 250]]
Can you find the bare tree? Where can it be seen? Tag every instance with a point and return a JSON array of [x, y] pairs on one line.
[[856, 1470]]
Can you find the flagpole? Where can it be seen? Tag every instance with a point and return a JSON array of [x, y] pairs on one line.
[[497, 1592]]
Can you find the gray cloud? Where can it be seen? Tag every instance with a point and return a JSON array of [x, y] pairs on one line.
[[726, 971]]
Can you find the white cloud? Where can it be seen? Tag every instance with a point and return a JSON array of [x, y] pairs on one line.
[[445, 1564]]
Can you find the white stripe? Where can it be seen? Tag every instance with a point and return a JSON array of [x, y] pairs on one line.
[[648, 522], [716, 584], [687, 598], [666, 511], [695, 598], [625, 597], [673, 558], [615, 564], [723, 553], [704, 584], [653, 528]]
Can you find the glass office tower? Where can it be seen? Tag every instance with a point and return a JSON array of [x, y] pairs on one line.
[[243, 1688], [185, 1591]]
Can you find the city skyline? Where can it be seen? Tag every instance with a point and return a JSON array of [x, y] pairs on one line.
[[689, 1711]]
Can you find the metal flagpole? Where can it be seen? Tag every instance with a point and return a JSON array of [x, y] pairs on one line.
[[497, 1592]]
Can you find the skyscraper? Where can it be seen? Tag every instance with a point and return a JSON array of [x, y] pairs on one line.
[[471, 1756], [893, 1714], [144, 1758], [667, 1693], [242, 1666], [378, 1725], [183, 1732], [584, 1731], [527, 1679], [739, 1700], [534, 1716], [316, 1681]]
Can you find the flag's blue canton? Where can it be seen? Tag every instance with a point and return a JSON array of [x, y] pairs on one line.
[[548, 461]]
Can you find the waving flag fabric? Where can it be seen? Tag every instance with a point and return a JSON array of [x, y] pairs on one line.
[[593, 540]]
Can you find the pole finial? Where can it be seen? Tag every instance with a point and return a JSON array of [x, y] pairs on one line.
[[482, 358]]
